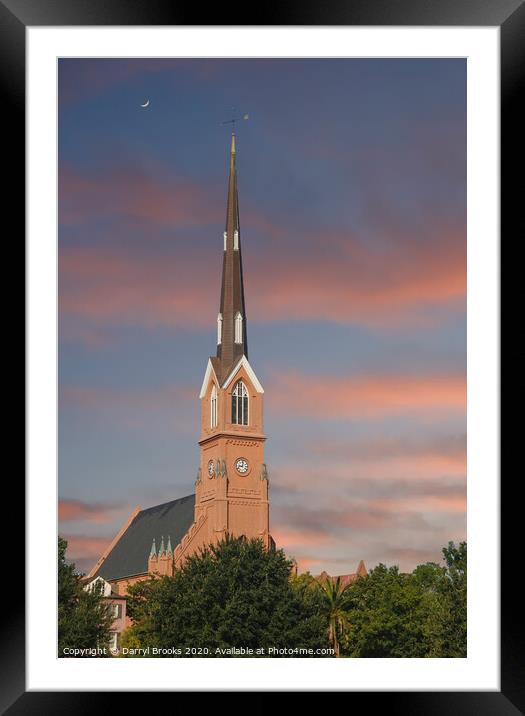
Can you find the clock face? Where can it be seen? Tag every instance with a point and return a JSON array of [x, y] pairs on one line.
[[241, 465], [211, 468]]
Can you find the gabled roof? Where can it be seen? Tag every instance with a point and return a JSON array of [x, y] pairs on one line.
[[243, 362], [213, 371], [129, 556]]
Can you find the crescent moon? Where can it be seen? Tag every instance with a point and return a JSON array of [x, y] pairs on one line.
[[145, 105]]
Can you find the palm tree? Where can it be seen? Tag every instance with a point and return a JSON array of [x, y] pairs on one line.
[[335, 602]]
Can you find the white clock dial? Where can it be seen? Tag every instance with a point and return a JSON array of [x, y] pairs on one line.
[[241, 465], [211, 468]]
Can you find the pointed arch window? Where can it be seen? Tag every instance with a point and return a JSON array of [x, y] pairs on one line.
[[240, 404], [219, 329], [238, 328], [213, 407]]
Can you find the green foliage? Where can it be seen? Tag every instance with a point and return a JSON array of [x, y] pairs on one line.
[[335, 607], [423, 614], [233, 594], [83, 618], [237, 594], [450, 629]]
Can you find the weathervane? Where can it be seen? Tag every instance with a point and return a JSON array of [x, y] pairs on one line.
[[235, 119]]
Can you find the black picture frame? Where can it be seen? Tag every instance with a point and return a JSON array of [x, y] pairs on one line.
[[509, 16]]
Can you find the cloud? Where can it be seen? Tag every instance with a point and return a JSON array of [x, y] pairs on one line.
[[365, 396], [377, 447], [132, 192], [85, 550], [133, 408], [293, 272], [336, 277], [77, 510], [286, 537], [82, 80], [108, 286], [335, 538]]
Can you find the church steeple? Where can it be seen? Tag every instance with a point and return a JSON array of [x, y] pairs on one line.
[[231, 321], [231, 492]]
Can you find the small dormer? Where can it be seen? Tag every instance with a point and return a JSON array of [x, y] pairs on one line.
[[100, 585]]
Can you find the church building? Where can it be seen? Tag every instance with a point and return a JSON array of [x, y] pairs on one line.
[[231, 489]]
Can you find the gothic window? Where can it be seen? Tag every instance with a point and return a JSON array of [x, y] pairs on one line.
[[213, 407], [240, 404], [219, 329], [238, 328]]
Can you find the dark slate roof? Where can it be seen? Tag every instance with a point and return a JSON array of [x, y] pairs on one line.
[[130, 555]]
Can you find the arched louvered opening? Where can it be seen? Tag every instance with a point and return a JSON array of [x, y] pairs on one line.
[[240, 404]]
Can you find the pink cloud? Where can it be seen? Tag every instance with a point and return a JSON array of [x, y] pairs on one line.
[[287, 538], [319, 274], [365, 396], [417, 503], [135, 193], [379, 447], [76, 510], [85, 547], [339, 279], [108, 287]]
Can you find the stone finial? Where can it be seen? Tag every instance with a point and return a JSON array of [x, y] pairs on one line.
[[153, 551], [162, 549], [169, 550], [199, 476], [264, 472]]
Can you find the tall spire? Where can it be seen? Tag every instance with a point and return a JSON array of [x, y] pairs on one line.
[[231, 321]]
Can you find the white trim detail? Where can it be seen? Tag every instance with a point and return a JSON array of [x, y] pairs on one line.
[[238, 327], [207, 376], [235, 240], [225, 239], [213, 407], [219, 329], [243, 363]]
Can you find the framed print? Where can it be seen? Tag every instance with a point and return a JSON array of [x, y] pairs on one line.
[[301, 507]]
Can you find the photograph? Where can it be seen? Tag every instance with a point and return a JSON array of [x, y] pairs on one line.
[[262, 426]]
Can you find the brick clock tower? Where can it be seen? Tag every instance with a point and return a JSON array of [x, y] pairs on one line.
[[231, 490]]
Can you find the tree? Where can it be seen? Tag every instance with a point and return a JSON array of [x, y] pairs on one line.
[[453, 591], [335, 608], [422, 614], [386, 618], [84, 620], [233, 594]]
